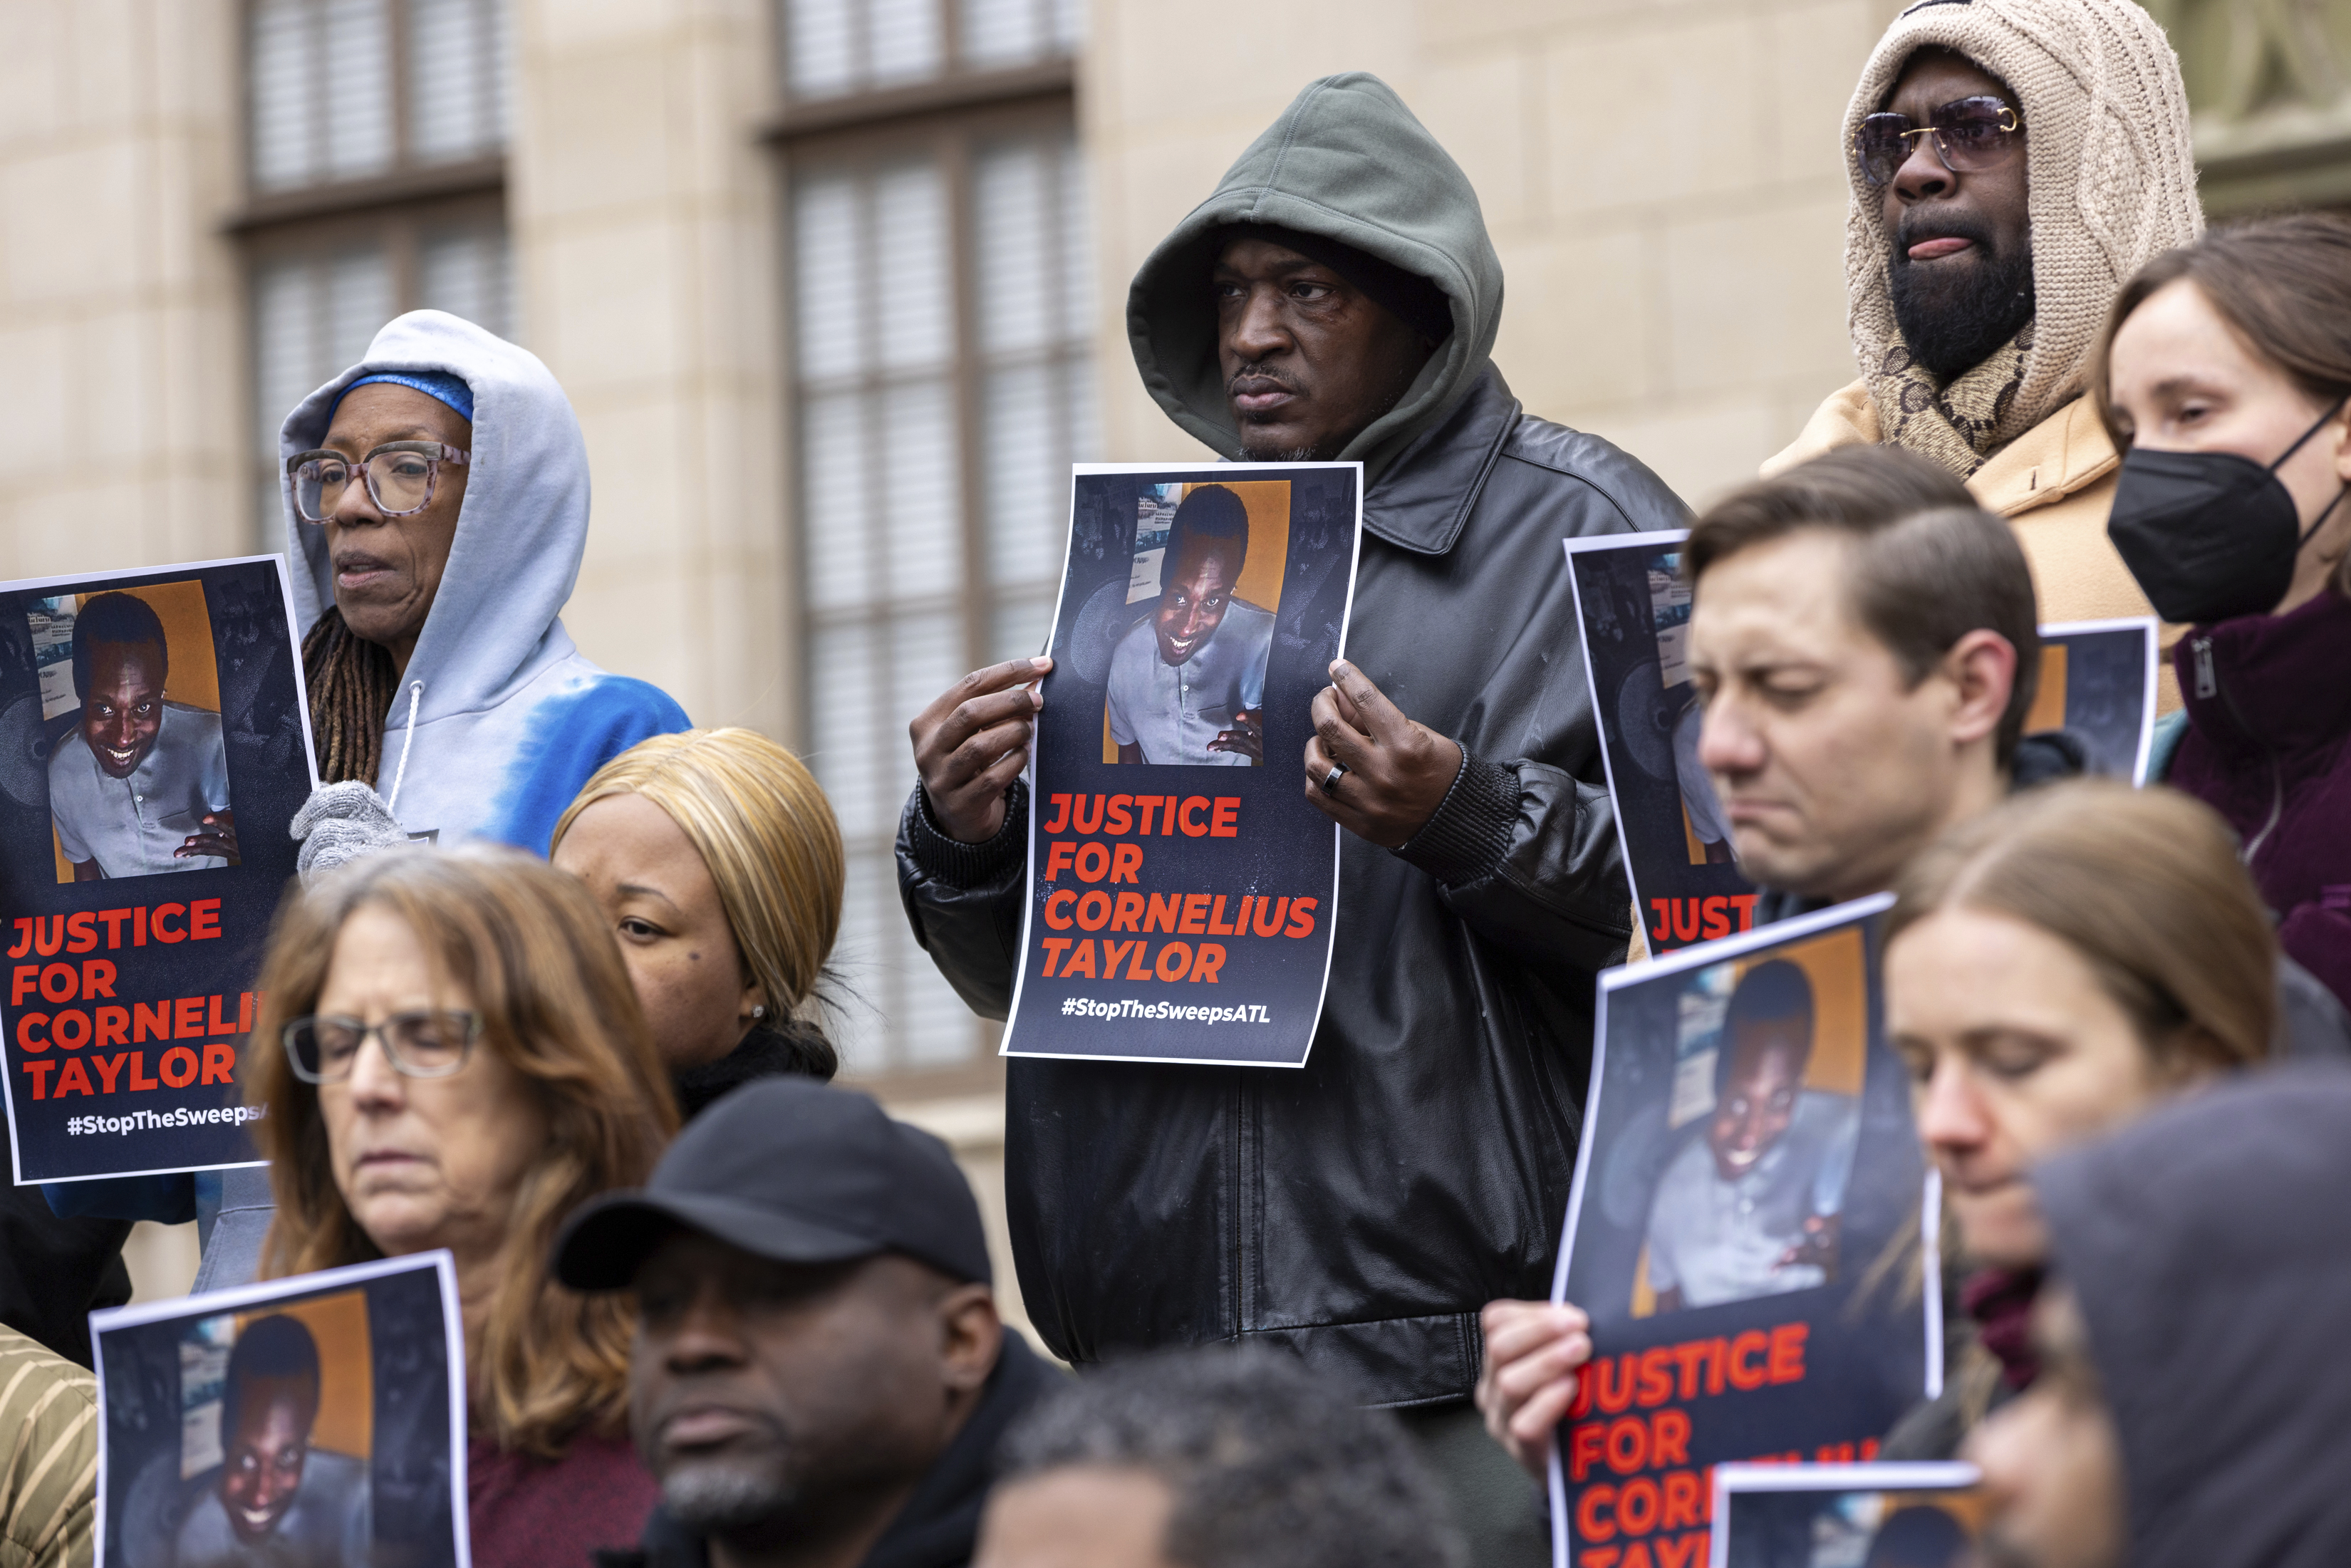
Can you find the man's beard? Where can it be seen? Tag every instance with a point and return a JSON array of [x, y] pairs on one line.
[[722, 1500], [1250, 453], [1952, 324]]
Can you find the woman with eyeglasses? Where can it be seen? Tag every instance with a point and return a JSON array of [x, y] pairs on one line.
[[459, 1061], [436, 510], [2225, 378], [435, 501]]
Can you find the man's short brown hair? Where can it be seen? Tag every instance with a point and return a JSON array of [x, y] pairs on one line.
[[1928, 564]]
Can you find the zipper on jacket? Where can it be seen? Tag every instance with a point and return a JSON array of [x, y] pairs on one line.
[[2208, 684]]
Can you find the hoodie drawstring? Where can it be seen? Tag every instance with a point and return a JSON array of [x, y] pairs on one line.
[[416, 695]]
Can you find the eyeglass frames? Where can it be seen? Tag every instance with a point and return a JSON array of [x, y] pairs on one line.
[[399, 477], [417, 1044], [1970, 134]]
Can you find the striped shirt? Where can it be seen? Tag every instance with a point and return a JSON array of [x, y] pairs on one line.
[[48, 1457]]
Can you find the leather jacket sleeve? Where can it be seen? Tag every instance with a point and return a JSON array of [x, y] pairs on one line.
[[1526, 855], [963, 900]]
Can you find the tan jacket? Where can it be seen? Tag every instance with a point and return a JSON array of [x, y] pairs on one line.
[[2054, 484]]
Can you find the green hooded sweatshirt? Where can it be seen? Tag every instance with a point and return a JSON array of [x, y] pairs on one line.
[[1346, 161]]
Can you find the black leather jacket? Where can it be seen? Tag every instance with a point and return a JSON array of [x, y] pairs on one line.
[[1362, 1210]]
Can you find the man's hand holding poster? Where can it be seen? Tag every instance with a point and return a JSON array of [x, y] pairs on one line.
[[1180, 884], [1742, 1234], [154, 744], [2093, 712], [317, 1420]]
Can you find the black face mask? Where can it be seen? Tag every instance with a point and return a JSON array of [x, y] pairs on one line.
[[2210, 536]]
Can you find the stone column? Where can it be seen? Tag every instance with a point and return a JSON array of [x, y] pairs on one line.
[[642, 212]]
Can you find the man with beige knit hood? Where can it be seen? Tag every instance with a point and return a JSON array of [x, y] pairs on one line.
[[2012, 164]]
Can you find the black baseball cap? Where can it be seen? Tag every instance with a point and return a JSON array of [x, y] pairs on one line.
[[792, 1170]]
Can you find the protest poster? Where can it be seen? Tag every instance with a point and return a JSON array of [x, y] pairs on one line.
[[1744, 1232], [154, 747], [1180, 886], [2097, 686], [1633, 609], [317, 1419], [1846, 1516]]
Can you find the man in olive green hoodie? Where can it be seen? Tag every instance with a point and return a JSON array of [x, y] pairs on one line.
[[1337, 297]]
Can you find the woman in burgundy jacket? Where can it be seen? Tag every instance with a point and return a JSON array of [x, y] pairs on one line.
[[2224, 379]]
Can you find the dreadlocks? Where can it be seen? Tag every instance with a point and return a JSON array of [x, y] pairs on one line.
[[351, 683]]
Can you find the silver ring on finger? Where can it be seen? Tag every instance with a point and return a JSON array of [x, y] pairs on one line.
[[1331, 779]]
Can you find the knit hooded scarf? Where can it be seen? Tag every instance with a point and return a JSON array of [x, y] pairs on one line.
[[2112, 182]]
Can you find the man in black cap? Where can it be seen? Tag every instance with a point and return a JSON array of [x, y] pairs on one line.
[[819, 1376]]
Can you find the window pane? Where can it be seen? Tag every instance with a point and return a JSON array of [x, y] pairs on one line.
[[925, 659], [819, 46], [910, 265], [830, 278], [359, 302], [1028, 474], [870, 912], [358, 87], [286, 351], [844, 714], [901, 41], [1076, 235], [835, 519], [999, 33], [1015, 248], [919, 469], [468, 273], [281, 77], [451, 60]]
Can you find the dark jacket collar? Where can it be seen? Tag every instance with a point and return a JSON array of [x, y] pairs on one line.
[[798, 1047], [1421, 501], [2278, 680], [940, 1523]]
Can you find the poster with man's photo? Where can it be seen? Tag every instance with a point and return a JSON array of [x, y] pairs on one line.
[[1846, 1516], [1744, 1232], [2095, 698], [154, 747], [1180, 884], [317, 1420]]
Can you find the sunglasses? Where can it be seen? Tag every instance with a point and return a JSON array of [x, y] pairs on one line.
[[1968, 134]]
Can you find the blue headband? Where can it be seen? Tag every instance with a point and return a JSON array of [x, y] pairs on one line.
[[438, 384]]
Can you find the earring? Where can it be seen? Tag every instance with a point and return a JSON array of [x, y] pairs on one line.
[[758, 1010]]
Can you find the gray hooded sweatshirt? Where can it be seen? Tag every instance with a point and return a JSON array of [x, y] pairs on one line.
[[1362, 1210], [511, 719]]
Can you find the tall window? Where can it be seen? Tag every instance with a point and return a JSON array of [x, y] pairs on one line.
[[941, 302], [375, 164]]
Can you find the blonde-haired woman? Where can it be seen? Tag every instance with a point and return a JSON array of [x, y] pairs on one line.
[[718, 865], [457, 1060]]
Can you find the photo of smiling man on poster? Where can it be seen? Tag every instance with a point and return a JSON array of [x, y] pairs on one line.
[[1188, 682], [1750, 1207], [140, 784]]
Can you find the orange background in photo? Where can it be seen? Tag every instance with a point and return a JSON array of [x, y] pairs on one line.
[[193, 679], [346, 1369], [1267, 501]]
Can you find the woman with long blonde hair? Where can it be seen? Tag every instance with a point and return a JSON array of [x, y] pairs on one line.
[[718, 865], [451, 1056]]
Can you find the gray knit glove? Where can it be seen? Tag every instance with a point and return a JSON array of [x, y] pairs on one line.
[[342, 822]]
